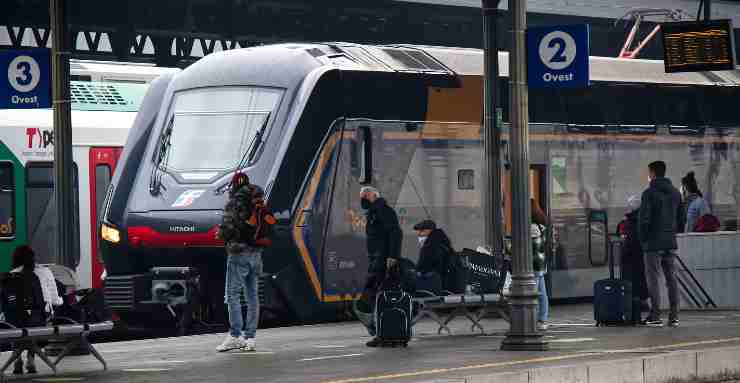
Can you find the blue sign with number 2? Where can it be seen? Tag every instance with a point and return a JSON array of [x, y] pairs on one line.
[[557, 57]]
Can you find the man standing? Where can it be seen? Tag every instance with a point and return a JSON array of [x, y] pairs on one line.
[[384, 238], [659, 218], [244, 222]]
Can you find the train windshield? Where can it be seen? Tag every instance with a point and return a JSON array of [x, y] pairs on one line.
[[214, 129]]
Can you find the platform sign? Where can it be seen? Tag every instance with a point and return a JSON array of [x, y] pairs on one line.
[[697, 46], [557, 57], [25, 79]]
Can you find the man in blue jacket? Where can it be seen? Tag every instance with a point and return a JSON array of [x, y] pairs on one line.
[[660, 217]]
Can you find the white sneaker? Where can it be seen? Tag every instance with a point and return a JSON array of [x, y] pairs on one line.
[[542, 326], [249, 344], [230, 343]]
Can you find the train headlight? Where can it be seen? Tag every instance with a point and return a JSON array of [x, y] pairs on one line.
[[110, 234]]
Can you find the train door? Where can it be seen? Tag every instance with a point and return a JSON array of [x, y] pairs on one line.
[[102, 165], [537, 190], [9, 201], [41, 211]]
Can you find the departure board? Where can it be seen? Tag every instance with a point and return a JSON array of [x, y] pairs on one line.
[[698, 46]]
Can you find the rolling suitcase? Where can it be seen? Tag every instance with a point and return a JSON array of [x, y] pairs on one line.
[[612, 297], [393, 314]]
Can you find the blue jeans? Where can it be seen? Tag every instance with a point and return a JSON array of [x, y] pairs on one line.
[[544, 305], [243, 270]]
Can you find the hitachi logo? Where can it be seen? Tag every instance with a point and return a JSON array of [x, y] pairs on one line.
[[182, 229]]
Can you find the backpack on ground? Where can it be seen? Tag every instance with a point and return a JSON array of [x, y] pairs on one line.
[[23, 305], [707, 223]]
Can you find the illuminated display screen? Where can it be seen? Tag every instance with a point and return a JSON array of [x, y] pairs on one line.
[[698, 46]]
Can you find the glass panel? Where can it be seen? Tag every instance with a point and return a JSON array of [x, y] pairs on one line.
[[42, 212], [7, 200], [102, 180], [233, 116], [229, 137]]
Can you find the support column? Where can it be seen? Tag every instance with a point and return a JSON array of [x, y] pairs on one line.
[[63, 172], [492, 132], [523, 334]]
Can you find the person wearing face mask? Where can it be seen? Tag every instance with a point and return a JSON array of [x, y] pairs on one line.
[[435, 250], [383, 240]]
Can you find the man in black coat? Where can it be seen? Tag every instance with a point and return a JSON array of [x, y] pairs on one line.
[[384, 238], [660, 217], [434, 254]]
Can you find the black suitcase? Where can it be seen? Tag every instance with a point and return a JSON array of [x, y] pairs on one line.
[[393, 315], [612, 297]]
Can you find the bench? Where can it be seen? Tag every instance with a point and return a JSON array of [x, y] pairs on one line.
[[444, 308], [27, 339]]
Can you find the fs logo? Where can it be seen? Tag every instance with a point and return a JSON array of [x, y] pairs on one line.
[[187, 198], [39, 139]]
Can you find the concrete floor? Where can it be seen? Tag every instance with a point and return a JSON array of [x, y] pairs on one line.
[[336, 352]]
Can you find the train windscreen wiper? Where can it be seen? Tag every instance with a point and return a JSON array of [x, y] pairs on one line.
[[162, 154], [249, 154]]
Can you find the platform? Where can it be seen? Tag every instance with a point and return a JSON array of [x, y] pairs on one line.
[[336, 352]]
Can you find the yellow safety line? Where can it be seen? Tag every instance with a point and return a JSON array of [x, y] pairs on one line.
[[525, 361]]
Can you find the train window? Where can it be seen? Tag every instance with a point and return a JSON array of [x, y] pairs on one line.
[[236, 119], [102, 180], [466, 179], [366, 155], [7, 200]]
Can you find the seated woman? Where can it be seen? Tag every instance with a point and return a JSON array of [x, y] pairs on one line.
[[23, 299]]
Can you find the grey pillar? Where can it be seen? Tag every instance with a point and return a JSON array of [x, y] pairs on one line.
[[63, 172], [523, 334], [491, 131]]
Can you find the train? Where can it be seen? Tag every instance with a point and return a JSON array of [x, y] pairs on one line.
[[313, 123], [105, 98]]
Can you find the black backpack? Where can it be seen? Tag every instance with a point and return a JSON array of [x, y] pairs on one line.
[[23, 306], [237, 212]]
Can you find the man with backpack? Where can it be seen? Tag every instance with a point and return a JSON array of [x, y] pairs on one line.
[[246, 230]]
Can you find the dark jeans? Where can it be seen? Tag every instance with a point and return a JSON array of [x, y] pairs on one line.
[[654, 262]]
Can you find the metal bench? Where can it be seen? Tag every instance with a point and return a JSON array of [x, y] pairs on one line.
[[444, 308], [27, 339]]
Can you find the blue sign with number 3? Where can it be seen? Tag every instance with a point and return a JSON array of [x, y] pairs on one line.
[[557, 57], [25, 79]]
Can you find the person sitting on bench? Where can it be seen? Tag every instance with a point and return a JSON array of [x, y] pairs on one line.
[[434, 255], [23, 299]]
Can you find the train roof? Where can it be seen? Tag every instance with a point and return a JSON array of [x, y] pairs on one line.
[[275, 62], [89, 128], [118, 71]]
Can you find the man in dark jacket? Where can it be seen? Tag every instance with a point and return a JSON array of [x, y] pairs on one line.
[[384, 237], [659, 219], [434, 254]]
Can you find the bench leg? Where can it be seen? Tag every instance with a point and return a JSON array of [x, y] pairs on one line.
[[13, 357], [69, 347], [475, 316], [95, 352], [43, 357]]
